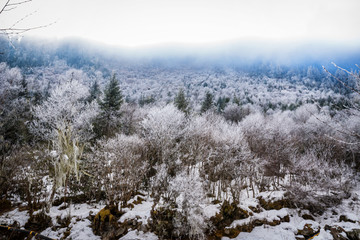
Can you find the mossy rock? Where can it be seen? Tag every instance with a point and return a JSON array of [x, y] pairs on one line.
[[104, 215], [274, 223], [277, 205], [233, 211], [234, 232], [228, 213], [162, 222], [257, 223], [231, 232], [256, 209], [106, 220], [245, 228]]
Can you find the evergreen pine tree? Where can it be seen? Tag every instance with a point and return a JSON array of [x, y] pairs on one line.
[[181, 102], [221, 103], [109, 120], [24, 89], [112, 97], [207, 104], [236, 100], [94, 91]]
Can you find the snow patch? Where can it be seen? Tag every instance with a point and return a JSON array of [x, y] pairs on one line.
[[140, 210], [266, 233], [10, 217], [211, 210], [82, 230], [139, 235], [270, 216]]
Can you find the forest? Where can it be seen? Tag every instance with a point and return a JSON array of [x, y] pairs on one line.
[[98, 146]]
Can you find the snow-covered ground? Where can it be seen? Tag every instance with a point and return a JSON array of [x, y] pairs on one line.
[[80, 223]]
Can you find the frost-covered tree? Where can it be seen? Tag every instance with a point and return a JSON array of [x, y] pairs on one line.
[[235, 113], [188, 191], [119, 166], [66, 108], [14, 108], [162, 127], [65, 120], [131, 118]]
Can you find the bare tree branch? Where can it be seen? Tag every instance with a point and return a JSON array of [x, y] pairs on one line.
[[13, 30], [342, 82], [18, 3], [4, 7]]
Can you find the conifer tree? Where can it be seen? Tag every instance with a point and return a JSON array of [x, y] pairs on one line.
[[207, 104], [108, 121], [221, 103], [181, 102], [94, 91], [113, 98]]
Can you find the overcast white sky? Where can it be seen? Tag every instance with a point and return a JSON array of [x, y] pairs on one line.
[[144, 22]]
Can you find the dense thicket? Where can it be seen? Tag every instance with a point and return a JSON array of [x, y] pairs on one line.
[[50, 148]]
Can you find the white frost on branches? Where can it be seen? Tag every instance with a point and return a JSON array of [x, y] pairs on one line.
[[65, 108]]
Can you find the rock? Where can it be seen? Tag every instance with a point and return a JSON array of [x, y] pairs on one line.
[[308, 231], [354, 234], [336, 233], [277, 205], [308, 217], [105, 223], [231, 232], [228, 213], [285, 219], [256, 209], [274, 223], [257, 223], [344, 218]]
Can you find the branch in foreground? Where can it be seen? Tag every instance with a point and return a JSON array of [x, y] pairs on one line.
[[342, 82]]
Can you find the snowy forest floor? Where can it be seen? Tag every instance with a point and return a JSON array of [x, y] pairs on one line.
[[340, 222]]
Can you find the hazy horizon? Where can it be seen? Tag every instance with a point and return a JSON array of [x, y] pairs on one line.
[[139, 23]]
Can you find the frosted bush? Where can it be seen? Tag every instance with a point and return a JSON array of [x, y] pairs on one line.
[[119, 166]]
